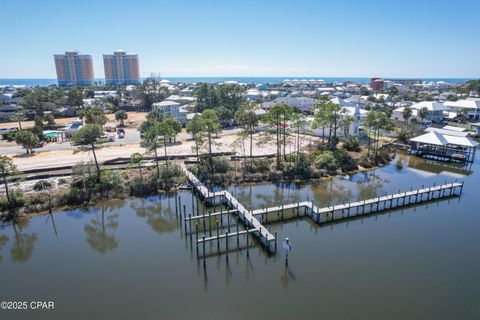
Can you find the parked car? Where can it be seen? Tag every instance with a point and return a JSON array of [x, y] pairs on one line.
[[107, 138], [39, 144], [121, 133]]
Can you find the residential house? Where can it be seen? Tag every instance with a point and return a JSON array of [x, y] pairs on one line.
[[355, 112], [304, 104], [8, 111], [172, 109], [434, 112], [471, 107]]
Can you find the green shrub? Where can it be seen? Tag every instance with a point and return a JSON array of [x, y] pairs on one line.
[[294, 166], [405, 133], [169, 177], [37, 202], [260, 165], [344, 161], [42, 185], [140, 187], [331, 161], [365, 160], [111, 183], [38, 198], [17, 200], [351, 144], [75, 196], [84, 188], [325, 160], [221, 165]]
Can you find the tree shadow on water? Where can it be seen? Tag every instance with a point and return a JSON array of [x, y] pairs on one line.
[[101, 231], [24, 242], [160, 214]]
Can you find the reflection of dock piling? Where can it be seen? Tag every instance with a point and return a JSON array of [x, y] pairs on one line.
[[327, 214]]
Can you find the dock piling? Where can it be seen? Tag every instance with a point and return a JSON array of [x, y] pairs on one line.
[[218, 237], [226, 247], [248, 254], [204, 262]]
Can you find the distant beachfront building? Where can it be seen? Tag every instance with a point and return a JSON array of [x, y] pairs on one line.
[[121, 68], [376, 84], [74, 69]]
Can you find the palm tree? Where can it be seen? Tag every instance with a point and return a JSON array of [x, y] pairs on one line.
[[121, 116], [423, 113], [18, 117], [27, 139], [87, 138], [407, 113], [7, 168], [136, 159]]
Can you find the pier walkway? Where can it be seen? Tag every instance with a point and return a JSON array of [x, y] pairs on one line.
[[244, 215], [331, 213]]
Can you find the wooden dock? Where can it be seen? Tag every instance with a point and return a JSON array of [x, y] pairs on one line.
[[331, 213], [244, 215]]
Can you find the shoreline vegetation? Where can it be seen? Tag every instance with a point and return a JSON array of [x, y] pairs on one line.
[[284, 129], [81, 190]]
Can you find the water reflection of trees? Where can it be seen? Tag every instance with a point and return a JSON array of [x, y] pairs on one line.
[[3, 242], [160, 213], [101, 231], [23, 246], [332, 191], [371, 186], [276, 194]]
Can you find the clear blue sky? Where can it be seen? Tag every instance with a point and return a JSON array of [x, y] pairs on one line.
[[248, 38]]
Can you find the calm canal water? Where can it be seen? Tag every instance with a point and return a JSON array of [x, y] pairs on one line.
[[131, 260]]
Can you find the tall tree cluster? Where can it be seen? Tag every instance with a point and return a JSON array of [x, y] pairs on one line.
[[226, 99]]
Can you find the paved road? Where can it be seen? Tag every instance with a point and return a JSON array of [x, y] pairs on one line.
[[132, 136]]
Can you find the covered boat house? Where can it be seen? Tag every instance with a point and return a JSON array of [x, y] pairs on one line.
[[444, 145]]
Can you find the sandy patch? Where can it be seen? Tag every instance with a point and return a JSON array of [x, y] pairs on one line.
[[224, 143]]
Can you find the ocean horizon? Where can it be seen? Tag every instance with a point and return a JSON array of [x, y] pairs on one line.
[[33, 82]]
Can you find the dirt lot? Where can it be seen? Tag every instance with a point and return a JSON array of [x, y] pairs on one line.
[[225, 142]]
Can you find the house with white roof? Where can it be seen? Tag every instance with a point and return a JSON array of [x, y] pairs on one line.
[[326, 89], [181, 99], [172, 109], [304, 104], [442, 85], [105, 94], [470, 106], [253, 94], [434, 109]]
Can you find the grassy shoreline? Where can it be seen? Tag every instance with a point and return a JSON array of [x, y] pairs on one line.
[[37, 202]]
